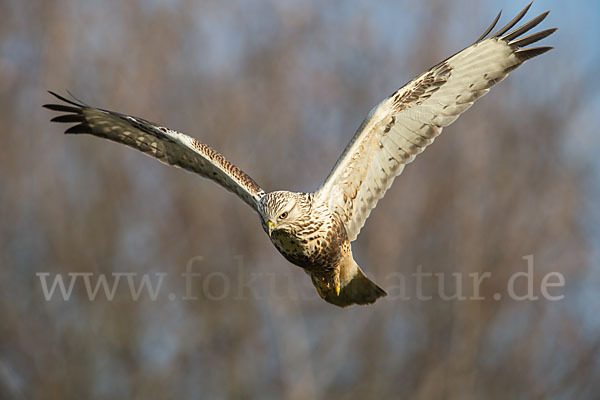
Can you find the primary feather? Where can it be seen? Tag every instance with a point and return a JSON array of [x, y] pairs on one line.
[[166, 145], [314, 230], [404, 124]]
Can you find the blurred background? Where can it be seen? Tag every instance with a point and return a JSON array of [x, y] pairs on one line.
[[279, 87]]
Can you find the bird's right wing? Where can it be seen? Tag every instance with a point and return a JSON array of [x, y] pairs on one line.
[[408, 121], [166, 145]]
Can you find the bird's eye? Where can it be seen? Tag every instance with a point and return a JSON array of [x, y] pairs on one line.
[[283, 215]]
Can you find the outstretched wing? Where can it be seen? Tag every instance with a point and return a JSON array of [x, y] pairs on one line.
[[403, 125], [166, 145]]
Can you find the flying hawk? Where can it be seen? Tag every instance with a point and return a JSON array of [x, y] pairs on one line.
[[314, 230]]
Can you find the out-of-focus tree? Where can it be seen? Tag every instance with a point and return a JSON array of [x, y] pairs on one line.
[[279, 87]]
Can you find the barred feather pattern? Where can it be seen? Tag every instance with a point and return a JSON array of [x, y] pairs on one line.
[[404, 124], [314, 230], [166, 145]]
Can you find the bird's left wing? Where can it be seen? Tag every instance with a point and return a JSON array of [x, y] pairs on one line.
[[404, 124], [166, 145]]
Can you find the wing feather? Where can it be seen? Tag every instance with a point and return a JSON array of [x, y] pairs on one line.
[[404, 124], [168, 146]]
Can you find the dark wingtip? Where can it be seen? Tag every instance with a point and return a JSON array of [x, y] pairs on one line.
[[77, 99], [73, 114], [525, 28], [489, 29], [80, 128], [62, 98], [61, 108], [514, 21], [68, 118], [534, 37], [526, 54]]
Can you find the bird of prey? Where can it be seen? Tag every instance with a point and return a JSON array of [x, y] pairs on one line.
[[314, 230]]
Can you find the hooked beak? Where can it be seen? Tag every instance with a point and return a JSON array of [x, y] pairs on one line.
[[270, 226]]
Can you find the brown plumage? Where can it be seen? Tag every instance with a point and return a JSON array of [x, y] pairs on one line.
[[314, 230]]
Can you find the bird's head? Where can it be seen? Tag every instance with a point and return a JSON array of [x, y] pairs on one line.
[[280, 210]]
